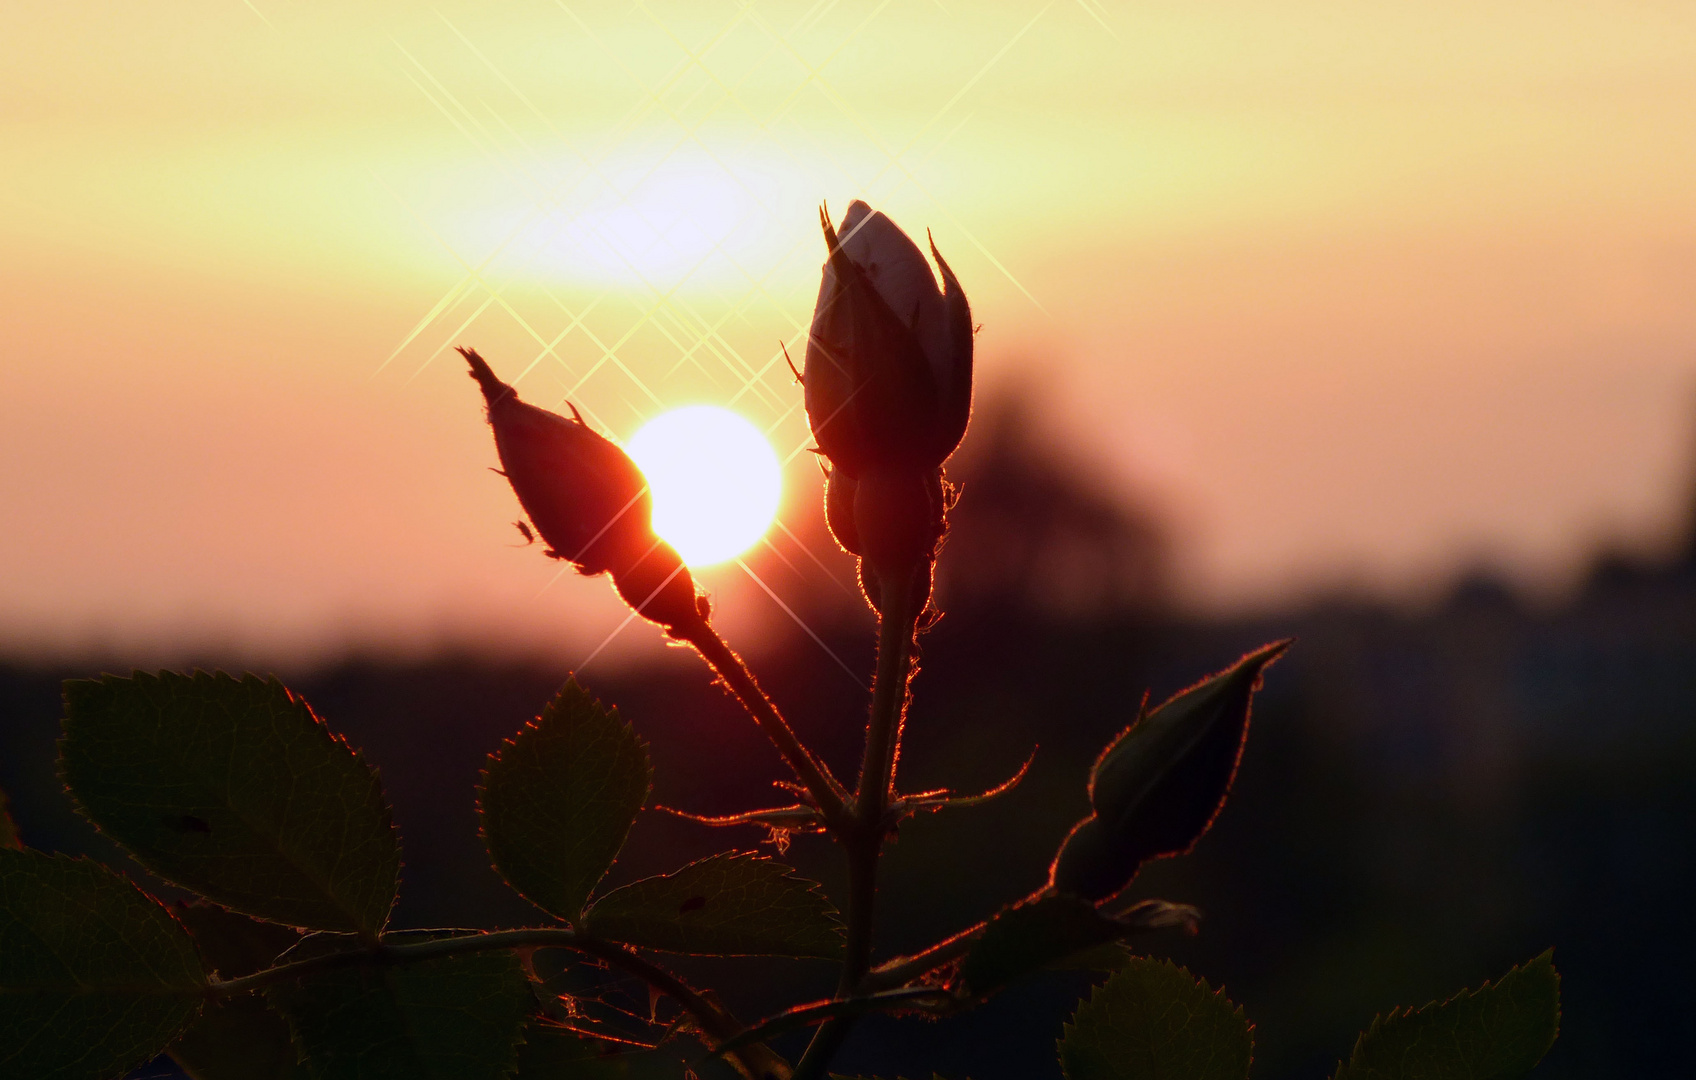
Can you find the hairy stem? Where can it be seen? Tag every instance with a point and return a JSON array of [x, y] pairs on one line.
[[1141, 916], [826, 791], [904, 969], [863, 843], [718, 1024], [895, 648]]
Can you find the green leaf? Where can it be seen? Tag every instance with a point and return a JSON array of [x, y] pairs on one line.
[[730, 904], [1153, 1020], [95, 975], [9, 838], [235, 790], [1156, 789], [1496, 1032], [450, 1018], [240, 1037], [558, 800], [1027, 938], [231, 944]]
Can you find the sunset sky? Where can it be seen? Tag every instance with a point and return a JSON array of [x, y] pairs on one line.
[[1357, 294]]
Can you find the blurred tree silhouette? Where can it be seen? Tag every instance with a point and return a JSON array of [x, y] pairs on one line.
[[1041, 530]]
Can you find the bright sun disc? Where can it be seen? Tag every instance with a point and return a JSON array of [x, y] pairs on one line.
[[715, 480]]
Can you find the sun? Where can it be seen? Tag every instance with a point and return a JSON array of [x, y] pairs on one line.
[[715, 481]]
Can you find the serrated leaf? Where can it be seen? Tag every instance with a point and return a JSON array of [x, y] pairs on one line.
[[1156, 789], [450, 1018], [558, 800], [240, 1037], [1151, 1021], [730, 904], [1499, 1031], [1027, 938], [236, 790], [232, 944], [95, 975]]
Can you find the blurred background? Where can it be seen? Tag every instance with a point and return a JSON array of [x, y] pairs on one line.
[[1368, 325]]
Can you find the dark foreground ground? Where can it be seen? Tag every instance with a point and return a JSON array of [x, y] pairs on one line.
[[1426, 799]]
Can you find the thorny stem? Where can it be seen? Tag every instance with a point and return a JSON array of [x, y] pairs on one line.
[[889, 699], [864, 842], [826, 791], [718, 1024], [904, 969], [1142, 915]]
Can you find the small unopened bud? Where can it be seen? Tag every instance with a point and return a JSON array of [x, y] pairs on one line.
[[660, 587], [888, 380], [587, 499], [1156, 789]]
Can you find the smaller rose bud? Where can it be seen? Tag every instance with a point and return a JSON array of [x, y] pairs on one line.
[[1156, 789], [888, 380], [660, 587], [587, 499]]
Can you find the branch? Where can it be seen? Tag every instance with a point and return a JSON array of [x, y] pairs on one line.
[[796, 817], [912, 997], [1143, 915], [718, 1024], [822, 787], [945, 799]]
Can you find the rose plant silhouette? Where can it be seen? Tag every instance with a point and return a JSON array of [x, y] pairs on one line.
[[234, 789]]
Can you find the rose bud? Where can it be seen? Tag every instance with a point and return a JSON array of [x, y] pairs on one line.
[[587, 499], [888, 375], [899, 518], [840, 490]]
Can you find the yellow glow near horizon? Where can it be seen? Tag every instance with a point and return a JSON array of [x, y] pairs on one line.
[[715, 480], [652, 217], [1356, 293]]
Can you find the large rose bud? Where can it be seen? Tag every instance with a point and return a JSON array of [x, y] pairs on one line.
[[840, 493], [588, 500], [888, 377], [890, 520]]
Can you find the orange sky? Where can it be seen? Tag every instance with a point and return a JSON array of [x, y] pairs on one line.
[[1359, 292]]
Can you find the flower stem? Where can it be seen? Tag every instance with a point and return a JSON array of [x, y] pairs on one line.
[[863, 843], [826, 790], [895, 649], [1144, 915]]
